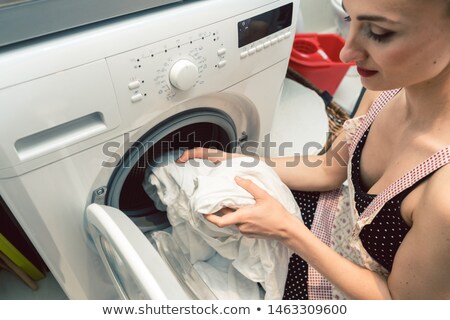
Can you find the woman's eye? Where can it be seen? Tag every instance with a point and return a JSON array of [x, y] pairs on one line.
[[380, 37], [377, 33], [374, 32]]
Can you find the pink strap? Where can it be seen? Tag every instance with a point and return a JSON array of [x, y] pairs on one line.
[[378, 105], [430, 165], [422, 170], [327, 204], [319, 287]]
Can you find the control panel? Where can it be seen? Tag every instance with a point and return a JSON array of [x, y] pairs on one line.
[[201, 61], [265, 44], [165, 70]]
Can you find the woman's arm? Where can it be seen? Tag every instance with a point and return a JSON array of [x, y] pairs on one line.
[[324, 172], [314, 172], [307, 173]]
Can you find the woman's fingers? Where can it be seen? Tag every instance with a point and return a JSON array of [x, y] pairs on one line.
[[226, 210], [223, 221], [213, 155], [224, 217], [252, 188], [191, 153], [234, 217]]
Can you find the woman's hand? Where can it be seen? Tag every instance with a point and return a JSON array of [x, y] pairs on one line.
[[213, 155], [267, 218]]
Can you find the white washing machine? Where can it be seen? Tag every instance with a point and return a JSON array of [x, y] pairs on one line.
[[83, 114]]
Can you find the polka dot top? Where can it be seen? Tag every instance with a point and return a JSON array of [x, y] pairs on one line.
[[383, 236], [296, 287]]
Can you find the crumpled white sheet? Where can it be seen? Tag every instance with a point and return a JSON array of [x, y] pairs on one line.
[[187, 191]]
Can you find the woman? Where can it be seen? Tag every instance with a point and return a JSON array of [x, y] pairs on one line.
[[391, 239]]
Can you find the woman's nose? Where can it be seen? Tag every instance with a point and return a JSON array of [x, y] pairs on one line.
[[352, 51]]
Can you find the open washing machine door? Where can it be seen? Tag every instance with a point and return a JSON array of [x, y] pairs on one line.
[[132, 263], [129, 232], [136, 268]]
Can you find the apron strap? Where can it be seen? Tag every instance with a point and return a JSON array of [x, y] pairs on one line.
[[433, 163], [320, 288], [380, 102]]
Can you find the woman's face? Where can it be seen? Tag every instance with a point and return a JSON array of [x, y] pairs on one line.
[[398, 43]]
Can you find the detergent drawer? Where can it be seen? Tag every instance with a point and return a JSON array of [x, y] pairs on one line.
[[135, 267], [53, 117]]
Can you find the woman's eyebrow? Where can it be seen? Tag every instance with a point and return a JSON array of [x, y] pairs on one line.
[[372, 18], [368, 17]]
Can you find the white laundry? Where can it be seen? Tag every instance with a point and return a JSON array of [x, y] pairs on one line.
[[227, 283], [187, 191]]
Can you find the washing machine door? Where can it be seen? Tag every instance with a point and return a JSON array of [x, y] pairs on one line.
[[134, 265]]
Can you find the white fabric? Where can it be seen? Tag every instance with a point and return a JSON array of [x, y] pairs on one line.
[[197, 187], [227, 283]]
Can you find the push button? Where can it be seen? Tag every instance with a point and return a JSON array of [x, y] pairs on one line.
[[221, 51], [137, 97], [134, 85], [222, 63]]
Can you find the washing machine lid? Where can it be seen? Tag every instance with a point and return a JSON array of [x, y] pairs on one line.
[[133, 264], [28, 19]]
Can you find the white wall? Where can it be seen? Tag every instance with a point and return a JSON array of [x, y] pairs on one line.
[[318, 15]]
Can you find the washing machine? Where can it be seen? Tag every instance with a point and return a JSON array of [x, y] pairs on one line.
[[84, 113]]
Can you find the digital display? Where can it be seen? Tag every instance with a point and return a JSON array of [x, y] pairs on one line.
[[260, 26]]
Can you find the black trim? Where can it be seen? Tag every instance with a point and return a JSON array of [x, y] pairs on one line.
[[135, 154]]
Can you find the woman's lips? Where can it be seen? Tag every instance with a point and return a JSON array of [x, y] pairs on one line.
[[365, 72]]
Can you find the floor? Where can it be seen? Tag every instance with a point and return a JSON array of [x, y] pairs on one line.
[[11, 287], [300, 123], [301, 120]]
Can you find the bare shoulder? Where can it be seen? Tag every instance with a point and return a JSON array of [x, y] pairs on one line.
[[422, 262], [366, 101], [436, 196], [431, 230]]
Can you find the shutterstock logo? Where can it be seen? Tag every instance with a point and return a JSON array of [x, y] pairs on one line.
[[150, 152]]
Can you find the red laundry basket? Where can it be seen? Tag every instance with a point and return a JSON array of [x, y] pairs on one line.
[[316, 57]]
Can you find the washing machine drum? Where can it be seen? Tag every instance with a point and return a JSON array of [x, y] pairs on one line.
[[202, 128]]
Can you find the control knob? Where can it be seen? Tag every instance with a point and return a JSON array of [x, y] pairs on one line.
[[183, 74]]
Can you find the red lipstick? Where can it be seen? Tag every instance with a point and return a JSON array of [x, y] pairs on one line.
[[365, 72]]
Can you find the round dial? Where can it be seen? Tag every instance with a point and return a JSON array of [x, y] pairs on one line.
[[183, 75]]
